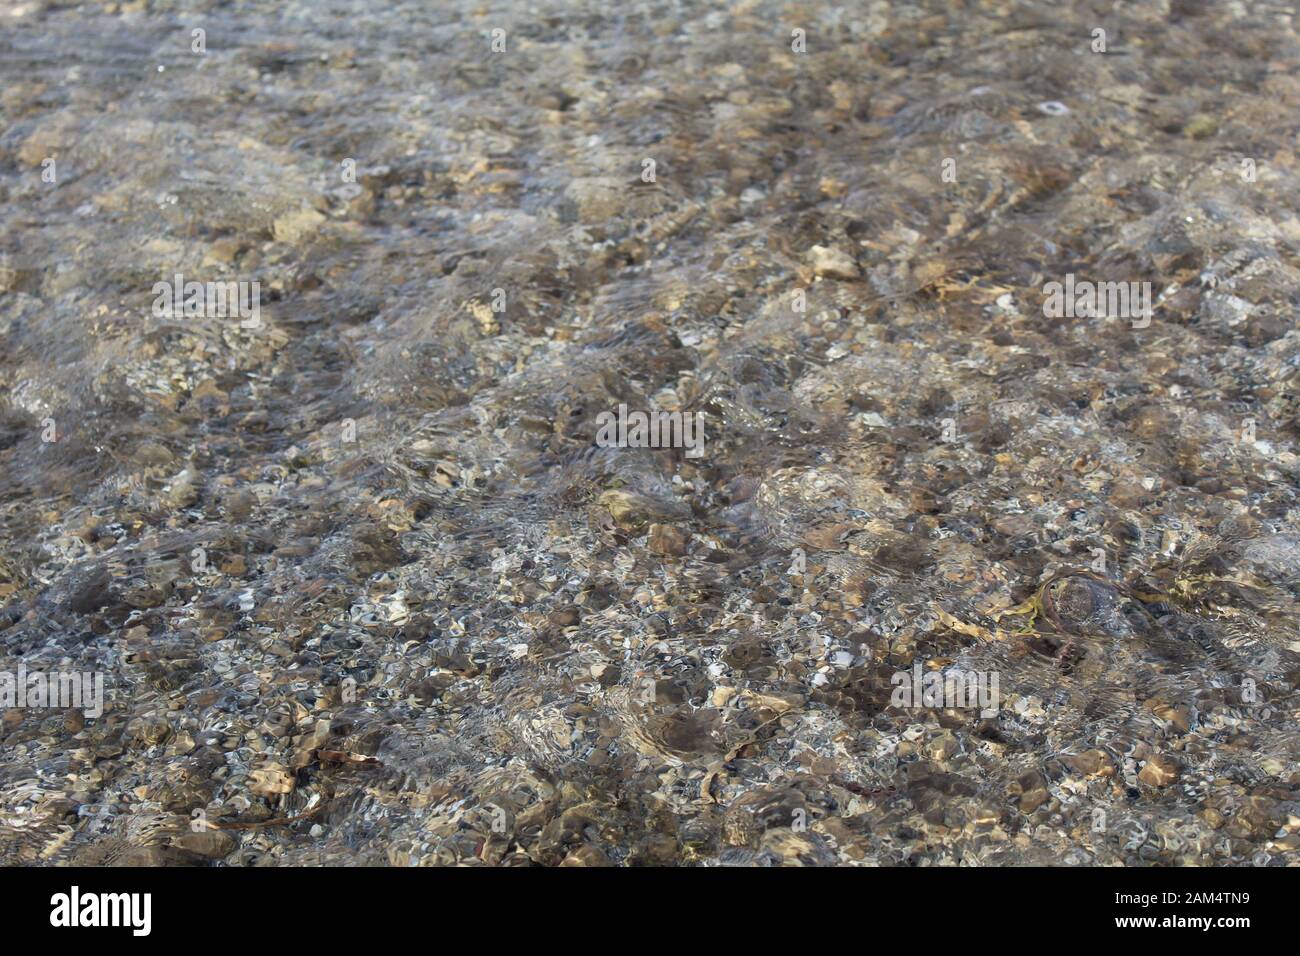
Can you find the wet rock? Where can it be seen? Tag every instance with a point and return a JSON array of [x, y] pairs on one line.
[[209, 844], [565, 616], [586, 856], [148, 731], [1091, 763], [1085, 605], [1201, 126], [1159, 771], [598, 199], [667, 540], [832, 263], [295, 226], [1031, 791], [271, 780]]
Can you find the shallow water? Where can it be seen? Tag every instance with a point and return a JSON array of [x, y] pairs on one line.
[[430, 620]]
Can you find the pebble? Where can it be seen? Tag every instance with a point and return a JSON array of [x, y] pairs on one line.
[[832, 263]]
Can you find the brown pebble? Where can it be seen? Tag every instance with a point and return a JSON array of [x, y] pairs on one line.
[[665, 539], [564, 616], [1158, 771]]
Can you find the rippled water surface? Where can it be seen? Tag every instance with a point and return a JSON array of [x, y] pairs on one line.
[[362, 585]]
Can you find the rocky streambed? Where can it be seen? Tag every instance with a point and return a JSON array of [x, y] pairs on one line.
[[362, 585]]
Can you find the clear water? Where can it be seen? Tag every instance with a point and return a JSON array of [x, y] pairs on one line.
[[414, 551]]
